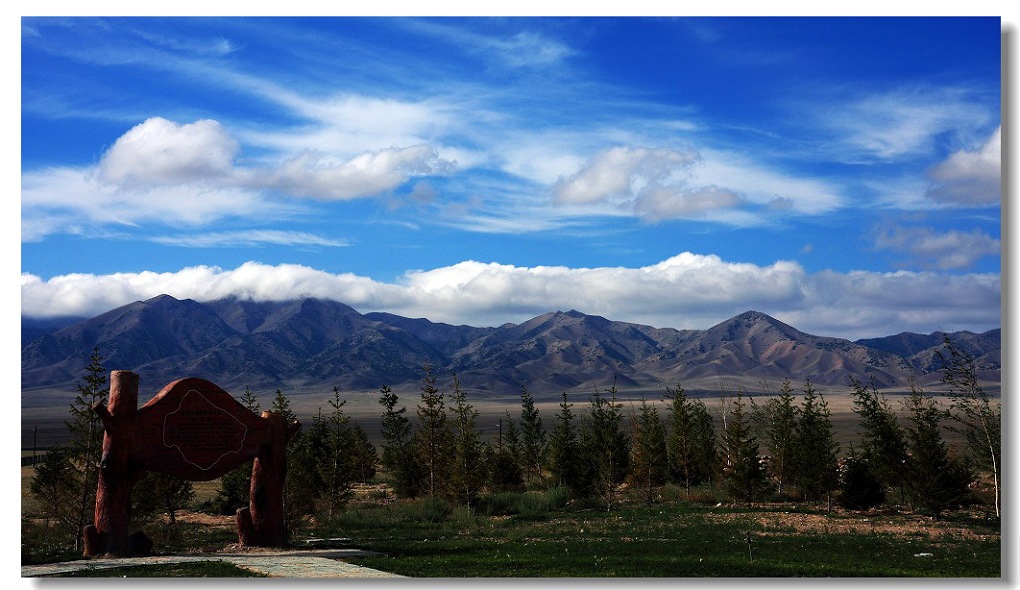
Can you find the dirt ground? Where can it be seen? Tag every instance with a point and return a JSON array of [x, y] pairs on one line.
[[855, 522]]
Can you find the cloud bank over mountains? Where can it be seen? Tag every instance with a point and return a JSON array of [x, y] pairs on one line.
[[685, 291]]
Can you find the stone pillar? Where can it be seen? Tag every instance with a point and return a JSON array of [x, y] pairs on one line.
[[262, 523], [116, 473]]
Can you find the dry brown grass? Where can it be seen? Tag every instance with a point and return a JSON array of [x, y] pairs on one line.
[[903, 525]]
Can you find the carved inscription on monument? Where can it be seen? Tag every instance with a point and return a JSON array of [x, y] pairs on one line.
[[195, 430], [202, 432]]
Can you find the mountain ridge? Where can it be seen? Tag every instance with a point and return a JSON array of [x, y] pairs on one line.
[[311, 342]]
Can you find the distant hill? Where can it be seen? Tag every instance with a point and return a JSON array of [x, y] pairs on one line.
[[319, 343]]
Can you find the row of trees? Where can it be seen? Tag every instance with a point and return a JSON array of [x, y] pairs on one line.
[[784, 447]]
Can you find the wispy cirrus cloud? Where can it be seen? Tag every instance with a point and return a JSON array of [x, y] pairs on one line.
[[250, 238], [895, 124]]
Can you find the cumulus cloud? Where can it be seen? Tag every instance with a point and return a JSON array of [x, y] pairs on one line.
[[684, 291], [653, 183], [970, 177], [159, 151], [661, 184], [324, 177], [162, 171], [933, 249]]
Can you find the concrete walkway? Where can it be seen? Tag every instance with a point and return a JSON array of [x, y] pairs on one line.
[[283, 564]]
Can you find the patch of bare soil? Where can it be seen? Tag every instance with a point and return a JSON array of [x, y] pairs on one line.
[[212, 520], [854, 522]]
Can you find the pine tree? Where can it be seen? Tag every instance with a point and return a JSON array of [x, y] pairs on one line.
[[706, 452], [883, 442], [505, 473], [59, 492], [778, 420], [604, 445], [468, 471], [398, 453], [337, 468], [976, 416], [306, 474], [936, 480], [564, 448], [815, 461], [303, 475], [859, 487], [648, 463], [432, 438], [690, 446], [363, 456], [533, 438], [164, 493], [86, 446], [745, 477]]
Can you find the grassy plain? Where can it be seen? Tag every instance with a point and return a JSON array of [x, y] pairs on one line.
[[542, 534], [533, 536], [671, 539]]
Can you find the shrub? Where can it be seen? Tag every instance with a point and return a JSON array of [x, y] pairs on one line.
[[859, 488], [429, 509], [500, 504], [558, 496]]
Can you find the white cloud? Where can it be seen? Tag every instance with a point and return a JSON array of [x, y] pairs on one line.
[[531, 49], [72, 200], [658, 184], [159, 151], [685, 291], [946, 250], [324, 177], [249, 238], [524, 49], [766, 187], [347, 125], [162, 171], [901, 123], [970, 177], [861, 304], [621, 172], [651, 183]]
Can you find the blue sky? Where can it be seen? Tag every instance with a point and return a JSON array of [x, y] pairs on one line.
[[840, 174]]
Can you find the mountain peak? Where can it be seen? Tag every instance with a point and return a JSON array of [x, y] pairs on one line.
[[164, 298], [755, 317]]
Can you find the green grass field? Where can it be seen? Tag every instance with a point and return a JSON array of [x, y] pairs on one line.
[[669, 540]]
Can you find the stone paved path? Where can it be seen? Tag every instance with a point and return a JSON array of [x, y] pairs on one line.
[[285, 564]]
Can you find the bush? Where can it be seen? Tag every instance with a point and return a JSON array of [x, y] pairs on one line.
[[500, 504], [859, 488], [429, 509], [524, 503], [559, 497], [44, 544]]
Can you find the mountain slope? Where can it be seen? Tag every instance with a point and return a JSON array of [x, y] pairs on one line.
[[312, 343]]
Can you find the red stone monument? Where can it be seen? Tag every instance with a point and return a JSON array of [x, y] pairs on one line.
[[194, 430]]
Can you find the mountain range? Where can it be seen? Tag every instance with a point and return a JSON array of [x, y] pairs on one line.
[[314, 344]]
